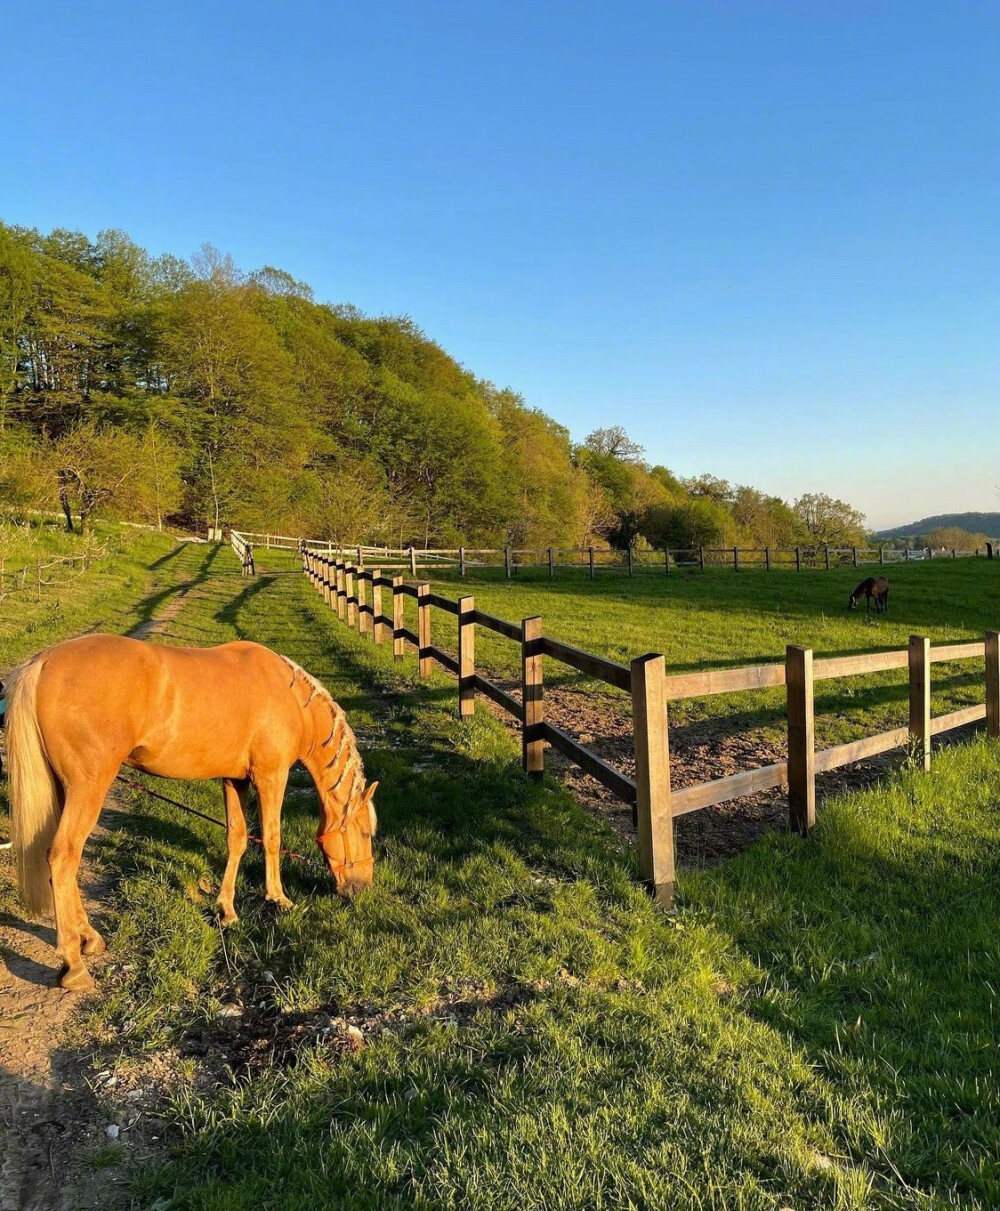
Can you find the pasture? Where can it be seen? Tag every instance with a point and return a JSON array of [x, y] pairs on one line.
[[505, 1020]]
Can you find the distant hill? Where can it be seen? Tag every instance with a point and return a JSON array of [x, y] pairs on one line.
[[975, 523]]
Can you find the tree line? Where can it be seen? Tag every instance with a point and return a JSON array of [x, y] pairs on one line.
[[157, 388]]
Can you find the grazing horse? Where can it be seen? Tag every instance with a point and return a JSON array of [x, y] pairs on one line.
[[79, 710], [876, 587]]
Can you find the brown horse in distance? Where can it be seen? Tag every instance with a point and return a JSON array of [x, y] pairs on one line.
[[79, 710], [875, 588]]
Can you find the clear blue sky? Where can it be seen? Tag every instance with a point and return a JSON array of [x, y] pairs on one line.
[[763, 235]]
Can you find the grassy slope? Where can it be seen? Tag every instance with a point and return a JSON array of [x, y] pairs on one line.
[[813, 1029]]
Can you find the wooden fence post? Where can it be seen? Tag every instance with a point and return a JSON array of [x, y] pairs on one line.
[[361, 558], [798, 559], [801, 738], [920, 699], [827, 558], [993, 684], [466, 657], [551, 564], [666, 563], [881, 555], [854, 552], [352, 601], [906, 554], [413, 562], [630, 561], [328, 589], [532, 691], [363, 575], [398, 643], [767, 559], [736, 559], [701, 557], [591, 549], [341, 590], [506, 561], [652, 777], [461, 561], [425, 661], [378, 633]]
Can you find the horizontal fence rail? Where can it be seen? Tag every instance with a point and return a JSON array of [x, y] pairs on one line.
[[602, 560], [345, 586], [36, 577]]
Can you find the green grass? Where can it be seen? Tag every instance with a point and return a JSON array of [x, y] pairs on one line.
[[719, 619], [812, 1029]]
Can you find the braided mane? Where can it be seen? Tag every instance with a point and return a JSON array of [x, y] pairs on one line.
[[340, 736]]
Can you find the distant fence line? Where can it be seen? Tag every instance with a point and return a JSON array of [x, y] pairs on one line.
[[30, 577], [596, 559], [354, 591]]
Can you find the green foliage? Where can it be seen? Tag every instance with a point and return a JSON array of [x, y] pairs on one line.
[[236, 397], [698, 522], [830, 522], [954, 538]]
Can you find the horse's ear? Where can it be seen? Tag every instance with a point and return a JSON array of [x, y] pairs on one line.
[[370, 792]]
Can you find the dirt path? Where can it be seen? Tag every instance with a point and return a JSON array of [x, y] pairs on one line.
[[47, 1110], [51, 1120]]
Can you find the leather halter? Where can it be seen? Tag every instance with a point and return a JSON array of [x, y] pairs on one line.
[[348, 862]]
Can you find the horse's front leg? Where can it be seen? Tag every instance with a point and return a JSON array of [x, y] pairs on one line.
[[270, 793], [80, 813], [235, 792]]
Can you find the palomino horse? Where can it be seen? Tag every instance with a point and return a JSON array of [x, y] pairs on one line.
[[79, 710]]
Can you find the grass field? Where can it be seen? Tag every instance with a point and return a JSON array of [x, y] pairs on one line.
[[814, 1027], [718, 619]]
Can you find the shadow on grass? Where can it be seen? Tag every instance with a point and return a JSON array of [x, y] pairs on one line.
[[873, 966], [146, 610], [861, 954]]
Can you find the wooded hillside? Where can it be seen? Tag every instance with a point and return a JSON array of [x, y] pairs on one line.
[[149, 387]]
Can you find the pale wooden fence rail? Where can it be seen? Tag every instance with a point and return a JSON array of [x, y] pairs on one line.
[[597, 559], [30, 577], [355, 591]]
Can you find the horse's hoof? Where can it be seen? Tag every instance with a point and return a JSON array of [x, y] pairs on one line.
[[94, 945], [280, 902], [77, 979], [227, 918]]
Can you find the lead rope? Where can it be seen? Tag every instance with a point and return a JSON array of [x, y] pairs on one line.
[[141, 786]]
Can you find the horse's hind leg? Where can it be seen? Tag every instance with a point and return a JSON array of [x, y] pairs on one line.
[[270, 793], [91, 942], [73, 930], [235, 792]]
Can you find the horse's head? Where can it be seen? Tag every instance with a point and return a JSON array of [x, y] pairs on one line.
[[853, 603], [347, 848]]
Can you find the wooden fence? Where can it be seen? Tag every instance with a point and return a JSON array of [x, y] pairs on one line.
[[356, 592], [597, 559], [31, 577]]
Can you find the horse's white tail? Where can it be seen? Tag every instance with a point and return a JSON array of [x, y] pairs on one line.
[[34, 794]]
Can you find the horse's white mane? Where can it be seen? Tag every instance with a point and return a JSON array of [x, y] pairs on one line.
[[317, 685], [337, 711]]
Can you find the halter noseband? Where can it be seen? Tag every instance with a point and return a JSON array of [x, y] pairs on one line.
[[348, 862]]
